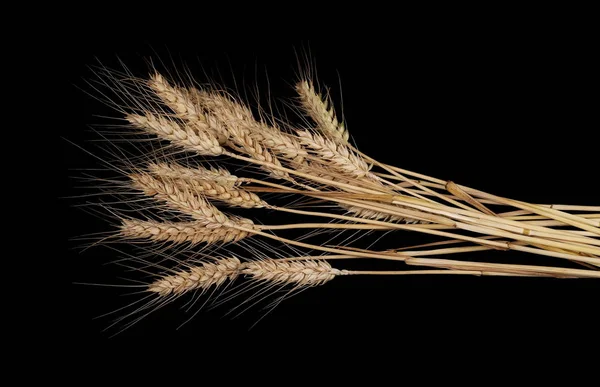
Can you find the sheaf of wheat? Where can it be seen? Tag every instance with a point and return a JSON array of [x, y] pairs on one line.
[[185, 203]]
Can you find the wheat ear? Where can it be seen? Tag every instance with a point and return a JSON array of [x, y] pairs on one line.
[[204, 182], [301, 273], [178, 232], [186, 201], [334, 155], [174, 170], [197, 277], [199, 141], [321, 112]]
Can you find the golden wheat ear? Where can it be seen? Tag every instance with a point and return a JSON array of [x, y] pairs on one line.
[[174, 170], [216, 185], [183, 135], [203, 277], [186, 199], [321, 111], [336, 156], [300, 273], [193, 233]]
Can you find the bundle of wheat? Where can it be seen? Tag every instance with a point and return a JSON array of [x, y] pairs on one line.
[[316, 163]]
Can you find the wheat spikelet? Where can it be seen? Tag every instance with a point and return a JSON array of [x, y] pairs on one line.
[[197, 277], [186, 201], [180, 101], [201, 142], [321, 112], [178, 232], [212, 189], [302, 273]]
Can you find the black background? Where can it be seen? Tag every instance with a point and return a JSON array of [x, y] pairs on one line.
[[510, 110]]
